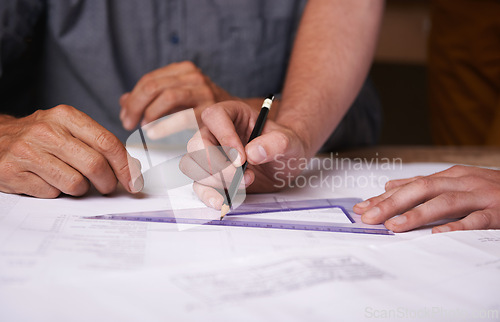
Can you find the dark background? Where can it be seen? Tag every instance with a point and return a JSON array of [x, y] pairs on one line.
[[399, 72]]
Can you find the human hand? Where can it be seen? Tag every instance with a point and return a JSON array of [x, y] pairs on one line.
[[460, 191], [168, 90], [61, 150], [272, 157]]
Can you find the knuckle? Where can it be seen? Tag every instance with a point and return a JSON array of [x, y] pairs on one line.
[[209, 112], [173, 96], [389, 185], [424, 183], [145, 78], [22, 150], [189, 65], [96, 164], [482, 220], [169, 95], [124, 171], [196, 78], [62, 110], [107, 142], [150, 86], [457, 170], [282, 141], [42, 130], [225, 140]]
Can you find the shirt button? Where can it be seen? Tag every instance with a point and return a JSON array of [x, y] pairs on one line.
[[174, 38]]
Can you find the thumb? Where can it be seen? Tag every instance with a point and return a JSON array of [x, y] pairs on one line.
[[270, 146]]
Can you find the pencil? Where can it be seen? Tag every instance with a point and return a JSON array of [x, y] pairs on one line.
[[230, 193]]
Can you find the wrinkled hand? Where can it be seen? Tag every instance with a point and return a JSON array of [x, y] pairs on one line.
[[270, 156], [61, 150], [469, 192], [168, 90]]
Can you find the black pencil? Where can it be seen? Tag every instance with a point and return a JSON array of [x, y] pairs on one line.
[[230, 193]]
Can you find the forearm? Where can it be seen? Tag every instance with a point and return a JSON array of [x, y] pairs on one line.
[[331, 57]]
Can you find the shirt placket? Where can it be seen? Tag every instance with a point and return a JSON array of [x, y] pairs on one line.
[[171, 31]]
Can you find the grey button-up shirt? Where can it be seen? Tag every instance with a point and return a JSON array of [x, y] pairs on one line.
[[87, 53]]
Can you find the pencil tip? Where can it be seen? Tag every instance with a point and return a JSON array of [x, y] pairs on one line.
[[224, 210]]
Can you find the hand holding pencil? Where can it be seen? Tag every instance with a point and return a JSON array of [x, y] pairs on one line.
[[257, 130], [272, 158]]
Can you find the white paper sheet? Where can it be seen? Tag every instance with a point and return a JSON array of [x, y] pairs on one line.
[[57, 266]]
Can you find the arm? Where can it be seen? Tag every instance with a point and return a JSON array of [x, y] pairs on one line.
[[330, 60], [329, 63]]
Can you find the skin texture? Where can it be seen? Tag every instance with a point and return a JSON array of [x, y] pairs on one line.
[[228, 123], [331, 57], [329, 63], [166, 90], [62, 150], [468, 195]]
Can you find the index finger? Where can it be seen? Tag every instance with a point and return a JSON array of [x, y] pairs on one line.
[[223, 119], [84, 128]]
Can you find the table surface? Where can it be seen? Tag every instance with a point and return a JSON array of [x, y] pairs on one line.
[[470, 155]]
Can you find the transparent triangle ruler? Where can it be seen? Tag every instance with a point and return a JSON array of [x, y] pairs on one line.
[[326, 215]]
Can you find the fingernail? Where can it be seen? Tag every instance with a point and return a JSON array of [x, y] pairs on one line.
[[363, 204], [372, 213], [246, 178], [137, 164], [398, 220], [136, 185], [257, 154], [235, 157]]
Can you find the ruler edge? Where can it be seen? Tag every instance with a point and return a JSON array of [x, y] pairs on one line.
[[353, 227]]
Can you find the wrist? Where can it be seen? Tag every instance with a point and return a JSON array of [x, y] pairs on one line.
[[302, 131], [312, 120]]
